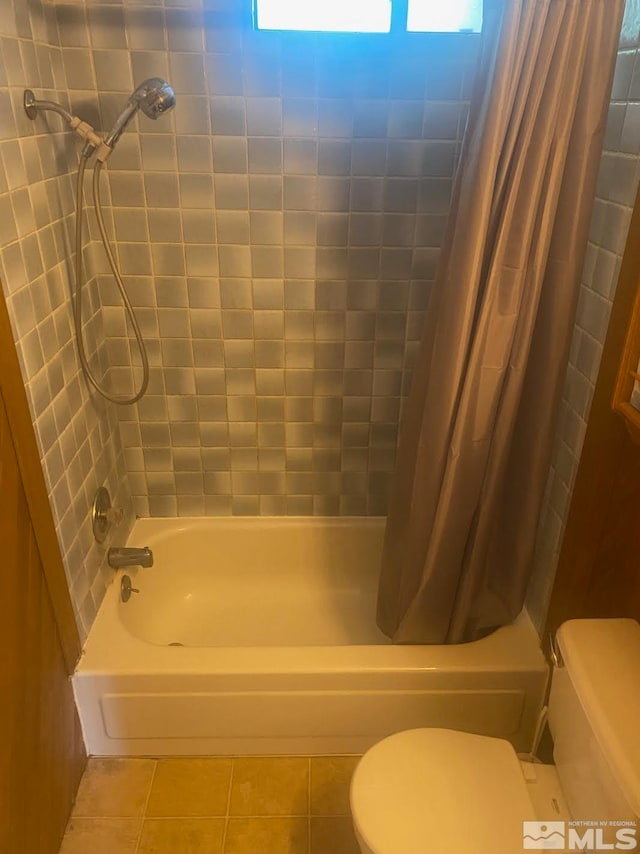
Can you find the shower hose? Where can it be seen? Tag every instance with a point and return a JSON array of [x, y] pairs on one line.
[[122, 401]]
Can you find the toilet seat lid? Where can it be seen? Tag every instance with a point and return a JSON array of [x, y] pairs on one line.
[[440, 791]]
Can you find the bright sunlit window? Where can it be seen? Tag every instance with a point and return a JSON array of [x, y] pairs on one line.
[[451, 16], [369, 16], [338, 16]]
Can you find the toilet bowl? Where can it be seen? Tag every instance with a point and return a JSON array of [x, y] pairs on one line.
[[439, 791]]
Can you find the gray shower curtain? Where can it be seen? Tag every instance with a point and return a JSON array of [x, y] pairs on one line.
[[475, 443]]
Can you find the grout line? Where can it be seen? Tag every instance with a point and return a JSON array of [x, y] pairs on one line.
[[210, 816], [226, 817], [309, 809], [207, 816], [146, 803]]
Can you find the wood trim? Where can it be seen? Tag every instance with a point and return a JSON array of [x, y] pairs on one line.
[[42, 754], [628, 371], [632, 419], [597, 569], [28, 456]]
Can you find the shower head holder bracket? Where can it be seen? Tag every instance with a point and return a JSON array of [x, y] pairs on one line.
[[83, 129]]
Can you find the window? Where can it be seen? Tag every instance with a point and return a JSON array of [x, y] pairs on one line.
[[369, 16], [346, 16], [451, 16]]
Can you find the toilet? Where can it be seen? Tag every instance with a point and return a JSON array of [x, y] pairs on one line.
[[439, 791]]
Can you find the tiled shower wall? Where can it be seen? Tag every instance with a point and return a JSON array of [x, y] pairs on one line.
[[77, 435], [617, 186], [279, 232]]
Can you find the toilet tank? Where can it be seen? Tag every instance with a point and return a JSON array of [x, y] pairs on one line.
[[594, 717]]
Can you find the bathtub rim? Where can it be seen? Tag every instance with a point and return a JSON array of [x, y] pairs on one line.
[[111, 648]]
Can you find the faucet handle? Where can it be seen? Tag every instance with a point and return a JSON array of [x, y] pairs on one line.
[[114, 515], [103, 515]]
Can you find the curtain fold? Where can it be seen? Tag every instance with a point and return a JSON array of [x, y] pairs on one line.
[[475, 442]]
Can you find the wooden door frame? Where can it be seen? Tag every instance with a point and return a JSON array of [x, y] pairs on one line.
[[607, 451], [28, 455]]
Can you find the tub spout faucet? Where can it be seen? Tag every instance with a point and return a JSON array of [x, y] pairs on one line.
[[119, 558]]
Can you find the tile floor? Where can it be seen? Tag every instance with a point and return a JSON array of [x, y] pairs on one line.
[[282, 805]]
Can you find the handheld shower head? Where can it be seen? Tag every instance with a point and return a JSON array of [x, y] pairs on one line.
[[154, 97]]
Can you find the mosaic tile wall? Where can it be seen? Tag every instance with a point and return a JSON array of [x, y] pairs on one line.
[[279, 232], [617, 186], [77, 435]]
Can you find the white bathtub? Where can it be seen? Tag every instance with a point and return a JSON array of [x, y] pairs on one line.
[[258, 636]]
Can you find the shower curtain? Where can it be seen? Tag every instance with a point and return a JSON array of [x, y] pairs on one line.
[[475, 444]]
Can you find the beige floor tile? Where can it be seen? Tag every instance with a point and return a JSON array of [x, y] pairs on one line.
[[267, 836], [190, 787], [182, 836], [114, 787], [330, 780], [333, 836], [101, 836], [263, 786]]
